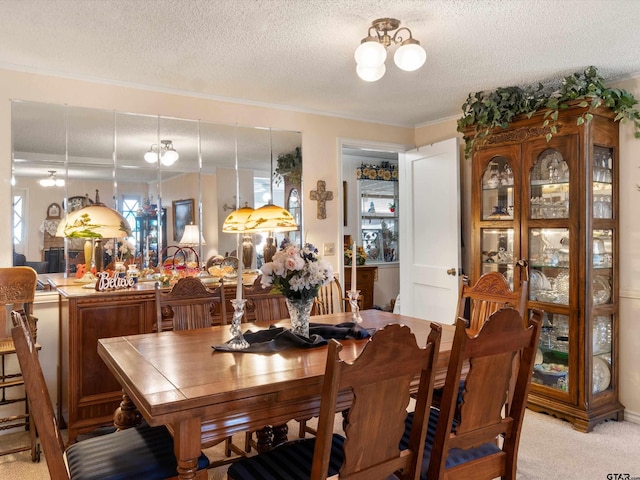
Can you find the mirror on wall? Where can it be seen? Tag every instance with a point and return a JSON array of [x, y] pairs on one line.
[[80, 152]]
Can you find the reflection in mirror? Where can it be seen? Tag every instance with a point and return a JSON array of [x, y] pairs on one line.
[[104, 151]]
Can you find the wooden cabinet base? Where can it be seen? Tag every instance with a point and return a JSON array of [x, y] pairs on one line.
[[581, 420]]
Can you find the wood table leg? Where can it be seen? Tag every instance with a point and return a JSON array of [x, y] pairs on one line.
[[126, 415], [186, 445], [264, 439], [280, 434]]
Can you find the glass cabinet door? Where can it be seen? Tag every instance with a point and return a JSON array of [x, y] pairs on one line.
[[552, 360], [497, 252], [497, 190], [602, 272]]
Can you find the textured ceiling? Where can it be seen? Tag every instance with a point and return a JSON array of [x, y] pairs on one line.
[[299, 53]]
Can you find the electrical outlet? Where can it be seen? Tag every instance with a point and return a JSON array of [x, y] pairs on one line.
[[328, 248]]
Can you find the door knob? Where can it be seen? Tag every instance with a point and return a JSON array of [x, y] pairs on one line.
[[452, 272]]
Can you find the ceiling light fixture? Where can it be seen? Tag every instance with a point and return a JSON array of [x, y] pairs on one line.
[[52, 180], [168, 155], [372, 52]]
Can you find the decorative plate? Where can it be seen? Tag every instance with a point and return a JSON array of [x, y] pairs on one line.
[[538, 281], [601, 375], [230, 267], [539, 358]]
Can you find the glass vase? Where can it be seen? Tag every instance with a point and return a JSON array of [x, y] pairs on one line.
[[299, 312]]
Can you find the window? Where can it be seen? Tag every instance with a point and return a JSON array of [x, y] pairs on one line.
[[18, 218], [130, 205]]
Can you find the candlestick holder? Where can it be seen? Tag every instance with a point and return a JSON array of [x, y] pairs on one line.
[[237, 341], [353, 296]]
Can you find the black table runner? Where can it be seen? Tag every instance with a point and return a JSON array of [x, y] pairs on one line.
[[276, 339]]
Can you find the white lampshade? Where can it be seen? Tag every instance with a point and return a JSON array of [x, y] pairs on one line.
[[169, 157], [51, 180], [151, 156], [410, 56], [371, 74], [192, 236], [370, 53]]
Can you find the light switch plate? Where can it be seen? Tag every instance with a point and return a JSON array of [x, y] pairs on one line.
[[328, 248]]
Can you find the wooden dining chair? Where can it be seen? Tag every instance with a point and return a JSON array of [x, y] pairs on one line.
[[136, 453], [490, 293], [264, 305], [478, 301], [188, 305], [330, 299], [379, 380], [462, 439], [17, 290]]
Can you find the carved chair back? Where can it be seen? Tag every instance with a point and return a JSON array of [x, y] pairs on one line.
[[17, 290], [490, 293], [483, 414], [264, 305], [188, 305]]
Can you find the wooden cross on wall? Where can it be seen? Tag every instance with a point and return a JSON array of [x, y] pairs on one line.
[[321, 196]]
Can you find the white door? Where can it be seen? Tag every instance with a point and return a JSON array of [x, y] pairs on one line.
[[430, 231]]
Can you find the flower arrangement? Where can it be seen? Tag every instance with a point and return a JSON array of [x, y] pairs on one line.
[[125, 249], [361, 255], [296, 272]]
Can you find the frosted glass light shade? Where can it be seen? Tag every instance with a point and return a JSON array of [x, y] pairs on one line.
[[410, 56], [151, 156], [169, 157], [371, 74], [370, 53]]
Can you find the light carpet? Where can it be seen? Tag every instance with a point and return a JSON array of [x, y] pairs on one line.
[[549, 449]]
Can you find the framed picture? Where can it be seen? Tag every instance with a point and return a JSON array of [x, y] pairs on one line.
[[53, 212], [182, 215]]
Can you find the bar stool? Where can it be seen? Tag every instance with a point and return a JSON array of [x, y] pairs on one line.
[[17, 289]]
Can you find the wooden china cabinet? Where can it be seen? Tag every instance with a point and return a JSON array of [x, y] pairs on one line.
[[549, 210]]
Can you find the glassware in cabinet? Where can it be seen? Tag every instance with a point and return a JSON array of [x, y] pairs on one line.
[[498, 190], [551, 367], [497, 252]]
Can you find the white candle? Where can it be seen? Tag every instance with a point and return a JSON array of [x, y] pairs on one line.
[[354, 257], [239, 281]]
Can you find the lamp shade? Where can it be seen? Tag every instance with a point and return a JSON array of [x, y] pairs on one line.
[[94, 221], [270, 218], [410, 56], [370, 53], [192, 236], [236, 220], [169, 157], [371, 74]]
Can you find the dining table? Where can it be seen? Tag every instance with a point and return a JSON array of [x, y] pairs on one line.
[[203, 395]]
